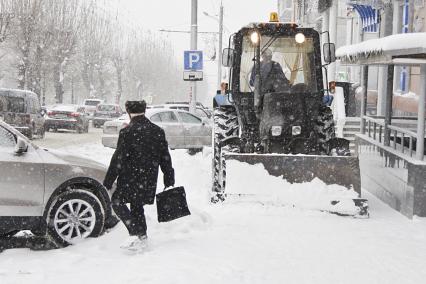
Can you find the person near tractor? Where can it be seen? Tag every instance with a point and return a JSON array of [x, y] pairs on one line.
[[272, 76], [141, 149]]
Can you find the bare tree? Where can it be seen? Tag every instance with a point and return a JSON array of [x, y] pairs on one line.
[[27, 16], [66, 18], [6, 17], [95, 49], [119, 56]]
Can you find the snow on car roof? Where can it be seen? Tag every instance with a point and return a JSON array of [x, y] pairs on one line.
[[65, 107], [394, 45], [150, 112]]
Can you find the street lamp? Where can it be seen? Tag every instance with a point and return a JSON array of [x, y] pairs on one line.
[[219, 59]]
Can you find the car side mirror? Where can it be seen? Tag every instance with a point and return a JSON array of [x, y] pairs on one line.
[[228, 57], [329, 52], [21, 146]]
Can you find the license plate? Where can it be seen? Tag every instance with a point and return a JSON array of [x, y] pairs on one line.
[[60, 117]]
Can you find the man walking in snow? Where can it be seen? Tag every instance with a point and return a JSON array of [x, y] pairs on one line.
[[141, 149]]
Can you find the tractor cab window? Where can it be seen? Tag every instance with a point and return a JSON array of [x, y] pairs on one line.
[[284, 63]]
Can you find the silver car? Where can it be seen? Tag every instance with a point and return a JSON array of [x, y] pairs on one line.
[[47, 191], [183, 129]]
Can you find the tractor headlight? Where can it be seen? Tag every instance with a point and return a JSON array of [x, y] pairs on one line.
[[300, 38], [296, 130], [276, 130], [255, 37]]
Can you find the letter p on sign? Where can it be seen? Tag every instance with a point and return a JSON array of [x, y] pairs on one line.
[[193, 60]]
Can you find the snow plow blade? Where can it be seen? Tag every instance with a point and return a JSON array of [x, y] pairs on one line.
[[326, 183]]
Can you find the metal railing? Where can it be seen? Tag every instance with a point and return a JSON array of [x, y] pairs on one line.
[[395, 130], [374, 126], [401, 139]]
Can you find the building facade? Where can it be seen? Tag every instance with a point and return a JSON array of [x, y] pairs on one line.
[[350, 22]]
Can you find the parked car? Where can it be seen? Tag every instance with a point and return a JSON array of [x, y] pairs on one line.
[[47, 191], [91, 104], [200, 111], [71, 117], [183, 129], [106, 112], [21, 109]]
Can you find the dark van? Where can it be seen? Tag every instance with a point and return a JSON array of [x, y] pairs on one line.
[[21, 109]]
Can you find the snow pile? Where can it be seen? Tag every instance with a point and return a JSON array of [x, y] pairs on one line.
[[235, 243], [381, 45], [254, 182]]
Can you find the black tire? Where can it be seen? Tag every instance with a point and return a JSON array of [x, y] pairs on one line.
[[90, 202], [225, 126], [194, 151], [325, 128]]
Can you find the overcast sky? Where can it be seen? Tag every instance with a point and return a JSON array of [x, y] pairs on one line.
[[176, 15]]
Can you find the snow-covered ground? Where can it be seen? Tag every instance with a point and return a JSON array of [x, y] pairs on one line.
[[235, 242]]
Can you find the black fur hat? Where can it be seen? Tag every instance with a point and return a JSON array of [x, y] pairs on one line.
[[135, 106]]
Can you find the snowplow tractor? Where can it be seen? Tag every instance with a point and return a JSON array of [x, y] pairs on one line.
[[273, 135]]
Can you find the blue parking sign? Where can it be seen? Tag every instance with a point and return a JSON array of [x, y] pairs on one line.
[[193, 60]]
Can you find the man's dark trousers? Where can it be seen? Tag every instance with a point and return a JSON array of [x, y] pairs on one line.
[[133, 218]]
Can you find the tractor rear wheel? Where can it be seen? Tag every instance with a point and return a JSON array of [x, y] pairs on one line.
[[325, 128], [225, 127]]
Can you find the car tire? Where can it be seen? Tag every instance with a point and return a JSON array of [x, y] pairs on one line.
[[194, 151], [75, 215]]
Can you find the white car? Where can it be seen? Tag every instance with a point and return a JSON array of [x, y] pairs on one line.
[[200, 111], [90, 105], [183, 129], [48, 191]]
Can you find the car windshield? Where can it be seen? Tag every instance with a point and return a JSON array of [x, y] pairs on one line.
[[296, 60], [106, 107], [91, 103]]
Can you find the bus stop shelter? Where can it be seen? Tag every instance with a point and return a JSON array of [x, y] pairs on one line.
[[391, 149]]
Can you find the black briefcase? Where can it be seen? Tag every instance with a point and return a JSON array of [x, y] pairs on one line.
[[171, 204]]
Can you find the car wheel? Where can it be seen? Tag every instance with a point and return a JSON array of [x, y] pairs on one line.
[[194, 151], [75, 215]]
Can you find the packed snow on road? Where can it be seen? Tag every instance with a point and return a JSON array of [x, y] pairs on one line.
[[235, 242]]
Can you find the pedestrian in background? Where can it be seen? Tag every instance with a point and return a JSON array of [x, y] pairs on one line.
[[141, 149]]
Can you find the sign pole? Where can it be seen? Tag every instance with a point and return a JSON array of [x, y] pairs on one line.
[[194, 31], [219, 60]]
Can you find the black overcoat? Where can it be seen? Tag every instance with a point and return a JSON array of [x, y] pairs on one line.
[[141, 149]]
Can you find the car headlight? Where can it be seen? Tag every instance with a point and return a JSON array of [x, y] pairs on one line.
[[296, 130], [276, 130]]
